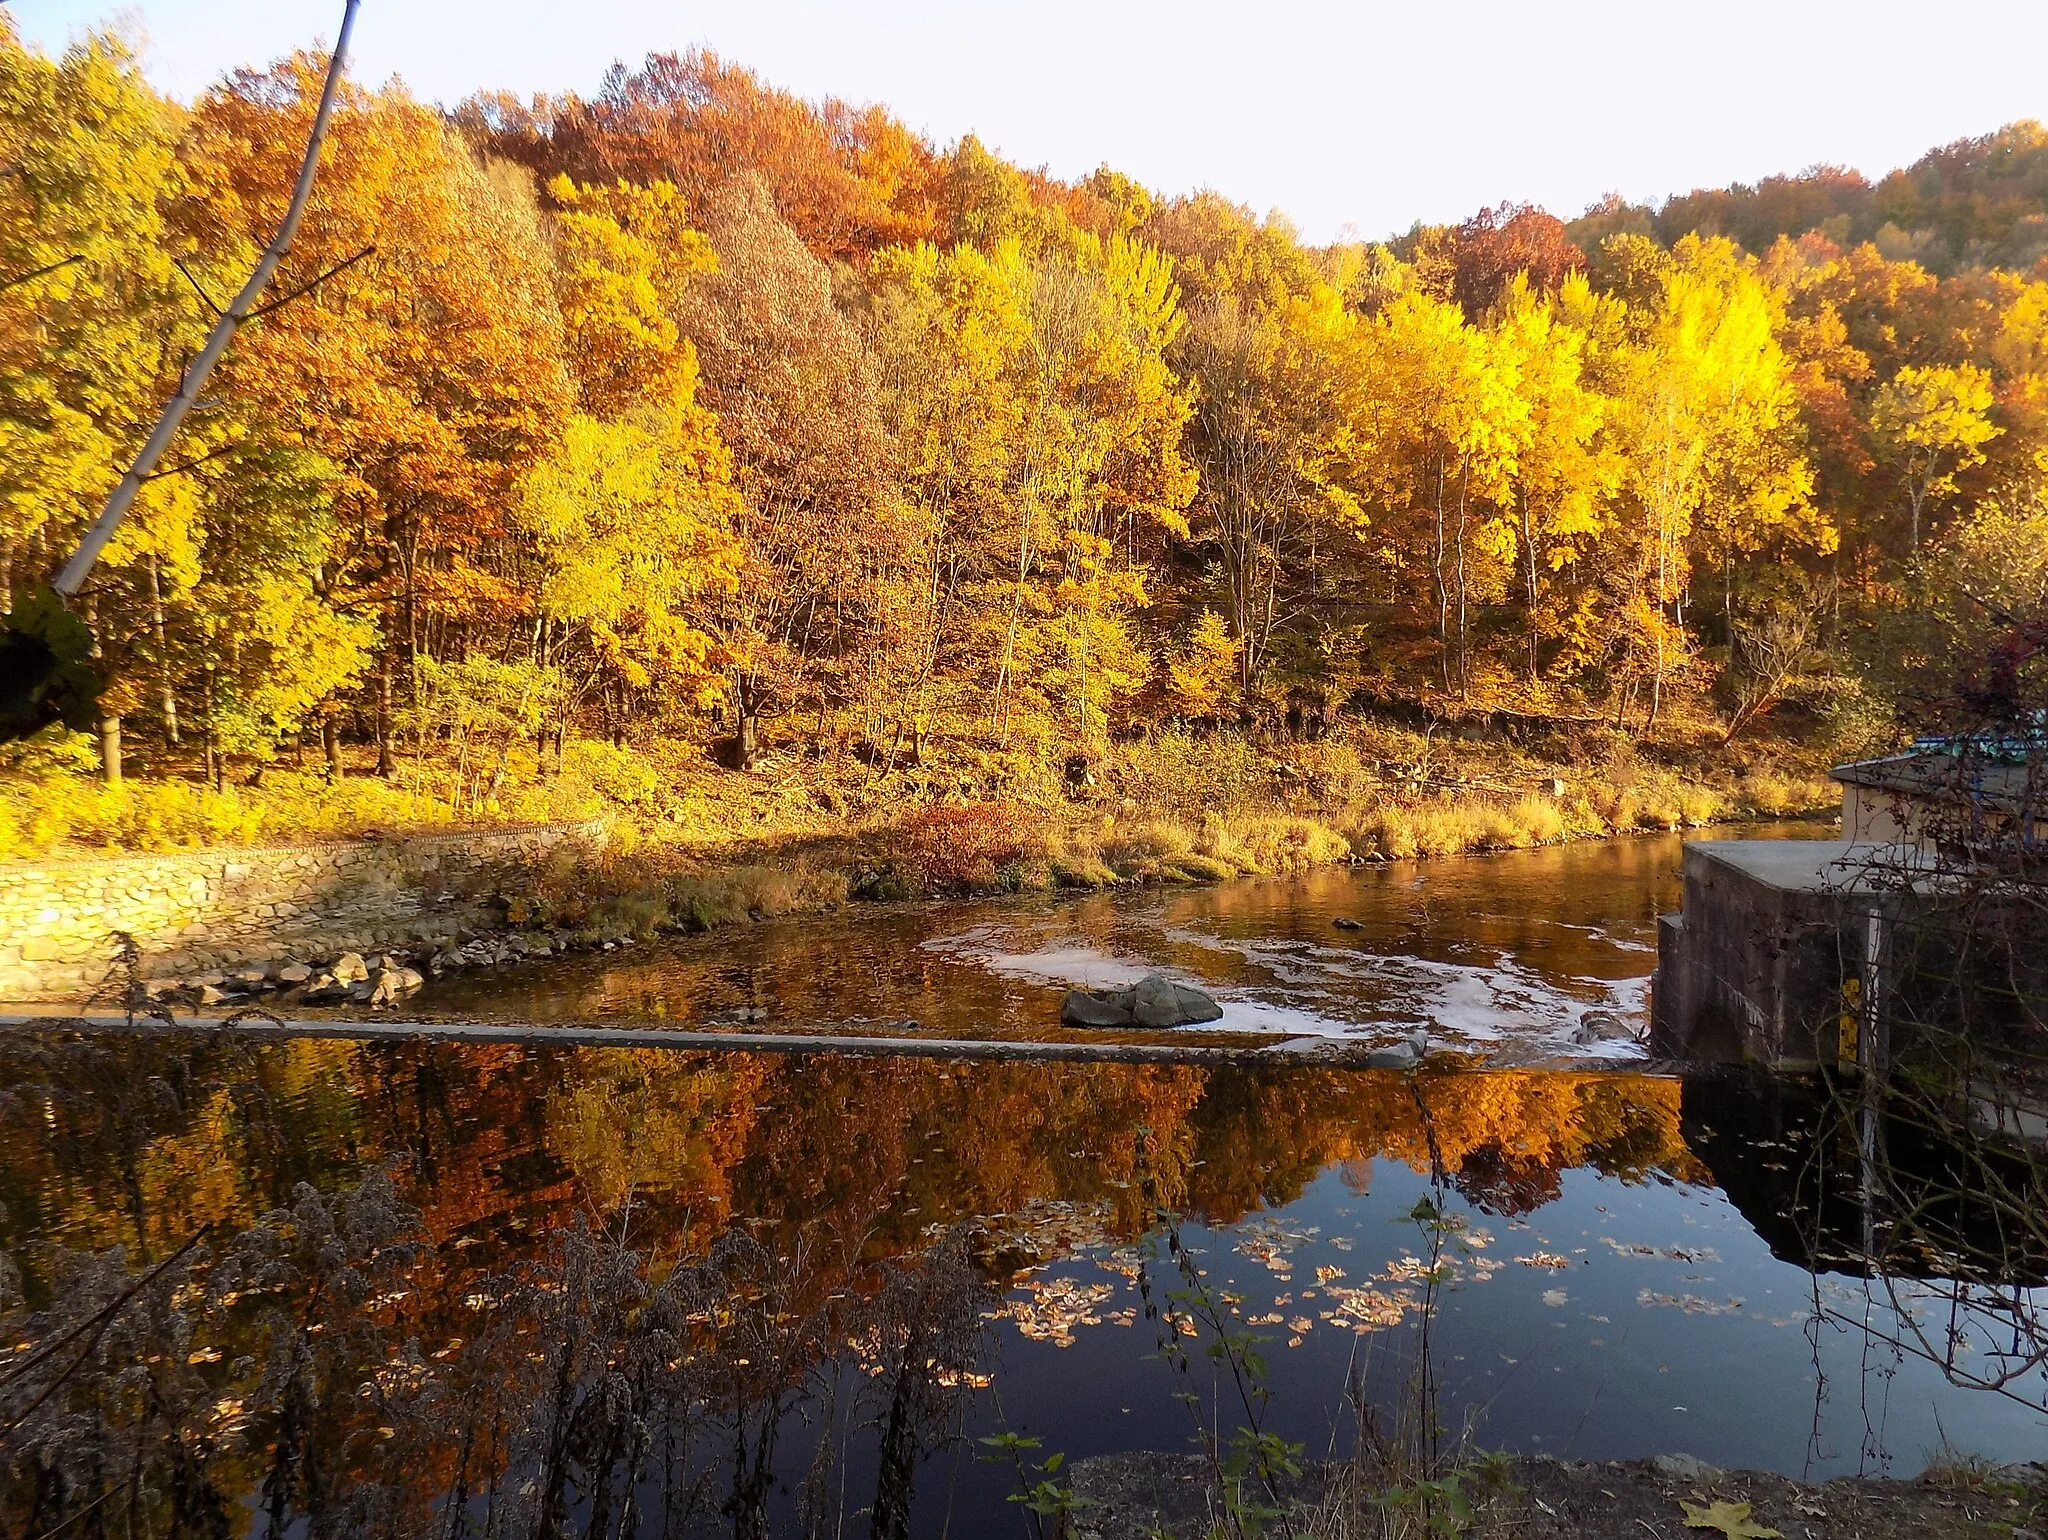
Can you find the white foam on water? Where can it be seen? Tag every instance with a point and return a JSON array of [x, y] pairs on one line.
[[1303, 988]]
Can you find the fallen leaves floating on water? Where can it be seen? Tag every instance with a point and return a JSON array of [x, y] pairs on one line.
[[1556, 1298], [1668, 1253], [1411, 1269], [1732, 1519], [1543, 1259], [1272, 1241], [1691, 1304], [1364, 1310], [1052, 1307], [1053, 1228]]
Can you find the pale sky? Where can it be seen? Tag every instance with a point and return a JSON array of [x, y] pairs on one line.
[[1368, 115]]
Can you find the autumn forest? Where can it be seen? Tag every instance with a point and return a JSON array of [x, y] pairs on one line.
[[691, 422]]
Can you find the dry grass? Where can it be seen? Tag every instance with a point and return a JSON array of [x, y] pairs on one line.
[[695, 847], [640, 892]]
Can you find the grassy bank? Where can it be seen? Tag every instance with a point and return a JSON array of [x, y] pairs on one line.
[[696, 846], [992, 848]]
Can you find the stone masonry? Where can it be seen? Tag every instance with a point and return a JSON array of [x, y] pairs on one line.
[[192, 910]]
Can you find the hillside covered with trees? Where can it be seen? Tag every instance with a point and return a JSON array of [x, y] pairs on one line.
[[691, 435]]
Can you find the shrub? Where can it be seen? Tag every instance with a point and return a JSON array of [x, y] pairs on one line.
[[1181, 773], [1080, 870], [954, 847], [610, 774], [1272, 842]]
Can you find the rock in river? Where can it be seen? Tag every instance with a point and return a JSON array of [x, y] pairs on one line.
[[1602, 1027], [1154, 1001], [1405, 1055]]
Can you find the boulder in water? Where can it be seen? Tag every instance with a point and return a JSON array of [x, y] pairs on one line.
[[1159, 1001], [1602, 1027], [1154, 1001], [325, 989], [1404, 1055], [1086, 1008]]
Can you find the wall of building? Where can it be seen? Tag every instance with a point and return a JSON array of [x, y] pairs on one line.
[[1874, 817], [195, 910]]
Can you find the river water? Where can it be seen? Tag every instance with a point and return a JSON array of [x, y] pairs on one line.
[[907, 1257], [1503, 954]]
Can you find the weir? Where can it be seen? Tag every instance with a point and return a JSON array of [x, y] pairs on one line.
[[1769, 956], [1795, 954]]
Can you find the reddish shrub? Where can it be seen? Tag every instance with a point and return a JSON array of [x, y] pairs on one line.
[[964, 846]]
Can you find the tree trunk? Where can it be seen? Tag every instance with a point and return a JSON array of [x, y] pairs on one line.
[[163, 657], [747, 742], [1464, 646], [216, 770], [330, 743], [385, 767], [1443, 591], [110, 749], [1529, 552]]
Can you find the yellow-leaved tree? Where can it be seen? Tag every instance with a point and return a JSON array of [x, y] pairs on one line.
[[1931, 423], [1706, 419], [1565, 471], [1439, 421], [1043, 456], [627, 520], [1271, 439]]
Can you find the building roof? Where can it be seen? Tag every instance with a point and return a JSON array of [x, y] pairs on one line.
[[2002, 778]]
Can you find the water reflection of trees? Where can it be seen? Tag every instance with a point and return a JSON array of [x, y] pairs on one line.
[[442, 1289]]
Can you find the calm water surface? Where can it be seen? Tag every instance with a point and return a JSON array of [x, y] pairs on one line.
[[1503, 953], [1630, 1263]]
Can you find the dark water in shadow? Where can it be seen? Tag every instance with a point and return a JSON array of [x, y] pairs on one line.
[[1503, 953], [1600, 1293]]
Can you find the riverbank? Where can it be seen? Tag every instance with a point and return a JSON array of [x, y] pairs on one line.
[[686, 846], [638, 888], [1144, 1496]]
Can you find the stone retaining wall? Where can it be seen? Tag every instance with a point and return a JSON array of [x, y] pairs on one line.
[[192, 910]]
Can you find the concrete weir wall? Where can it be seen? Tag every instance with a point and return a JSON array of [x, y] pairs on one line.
[[192, 910], [1753, 968]]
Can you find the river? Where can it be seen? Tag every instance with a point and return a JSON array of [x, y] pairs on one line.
[[1502, 954], [889, 1261]]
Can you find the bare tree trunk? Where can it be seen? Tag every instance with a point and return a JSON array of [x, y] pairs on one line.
[[1529, 553], [110, 749], [1443, 592], [385, 766], [163, 656], [330, 743]]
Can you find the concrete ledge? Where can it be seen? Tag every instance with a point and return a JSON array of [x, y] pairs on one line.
[[1306, 1052], [574, 1035]]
